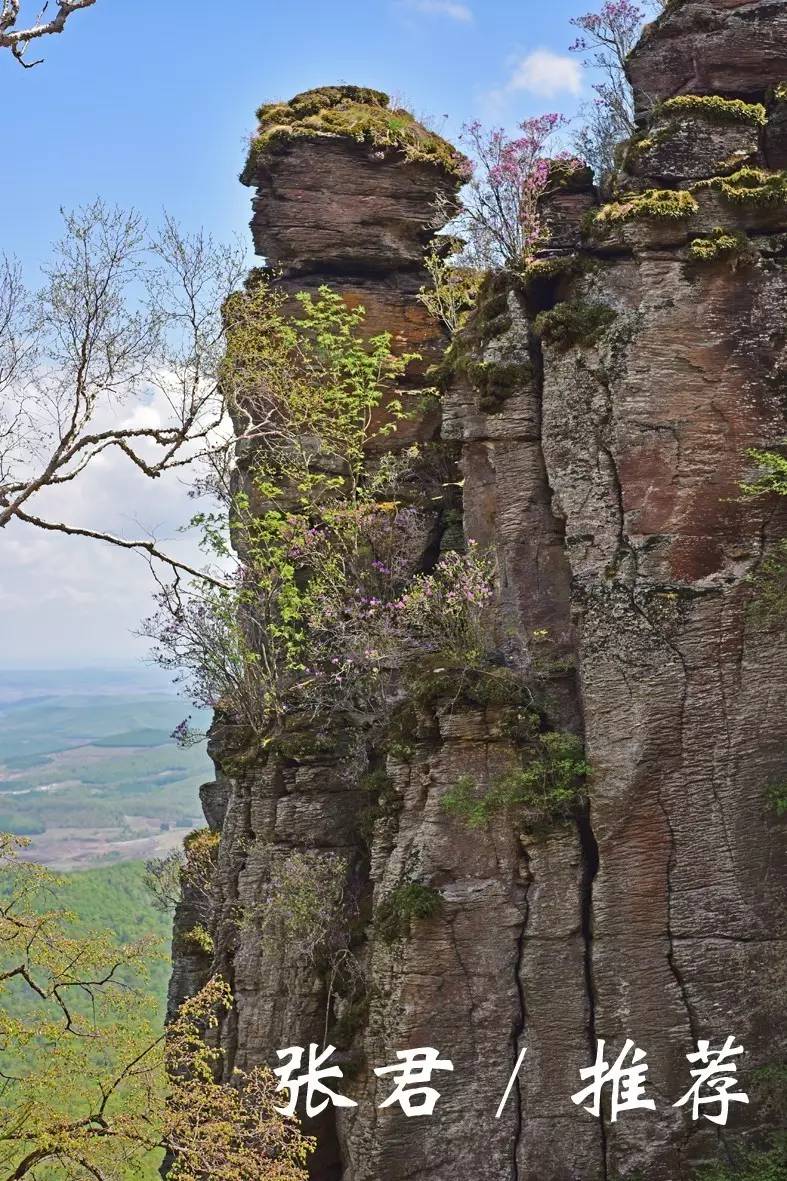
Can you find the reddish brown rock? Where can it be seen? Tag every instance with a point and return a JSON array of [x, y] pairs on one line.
[[603, 471], [691, 148], [736, 48]]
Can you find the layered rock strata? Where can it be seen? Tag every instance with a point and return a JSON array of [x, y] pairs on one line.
[[627, 374]]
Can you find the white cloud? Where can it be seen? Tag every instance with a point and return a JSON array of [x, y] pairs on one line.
[[449, 8], [546, 74], [69, 601]]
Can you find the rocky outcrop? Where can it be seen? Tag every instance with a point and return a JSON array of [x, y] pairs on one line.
[[734, 48], [626, 375]]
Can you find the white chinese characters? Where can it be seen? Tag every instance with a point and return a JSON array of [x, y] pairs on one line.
[[415, 1067], [311, 1080], [718, 1074], [414, 1070], [712, 1092], [627, 1083]]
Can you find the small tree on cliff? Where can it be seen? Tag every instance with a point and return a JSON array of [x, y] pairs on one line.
[[500, 218], [607, 37], [118, 354], [88, 1090], [17, 34]]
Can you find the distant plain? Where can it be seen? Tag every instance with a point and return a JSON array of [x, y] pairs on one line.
[[89, 771]]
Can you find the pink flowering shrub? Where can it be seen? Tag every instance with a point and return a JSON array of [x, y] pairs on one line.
[[500, 218], [449, 610]]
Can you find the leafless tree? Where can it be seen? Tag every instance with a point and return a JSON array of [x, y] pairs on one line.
[[17, 34], [120, 353]]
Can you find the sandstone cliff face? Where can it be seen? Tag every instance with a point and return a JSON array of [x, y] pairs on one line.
[[605, 479]]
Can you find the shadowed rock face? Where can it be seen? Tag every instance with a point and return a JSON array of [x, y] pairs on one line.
[[606, 482], [730, 47]]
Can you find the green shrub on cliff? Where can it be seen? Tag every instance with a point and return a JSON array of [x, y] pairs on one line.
[[411, 900], [573, 322], [544, 791]]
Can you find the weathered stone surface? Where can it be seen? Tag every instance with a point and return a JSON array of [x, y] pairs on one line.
[[691, 148], [604, 476], [332, 204], [730, 47], [776, 136], [645, 440]]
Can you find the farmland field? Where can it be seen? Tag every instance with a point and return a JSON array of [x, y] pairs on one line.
[[89, 771]]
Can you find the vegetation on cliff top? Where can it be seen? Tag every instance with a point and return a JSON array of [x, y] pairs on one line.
[[353, 112]]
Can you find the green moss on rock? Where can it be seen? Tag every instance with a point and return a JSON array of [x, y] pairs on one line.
[[495, 381], [769, 1164], [652, 205], [569, 175], [714, 109], [573, 323], [350, 112], [543, 274], [720, 246], [748, 186], [490, 319], [437, 681]]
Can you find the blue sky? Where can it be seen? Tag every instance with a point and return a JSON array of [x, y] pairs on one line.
[[148, 103]]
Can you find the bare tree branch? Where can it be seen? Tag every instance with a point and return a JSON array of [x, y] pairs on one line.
[[18, 39], [141, 546], [120, 353]]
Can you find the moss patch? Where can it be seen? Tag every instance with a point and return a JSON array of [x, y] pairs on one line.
[[569, 176], [437, 682], [352, 112], [491, 318], [714, 109], [768, 1165], [495, 381], [543, 277], [573, 323], [721, 246], [748, 186], [652, 205]]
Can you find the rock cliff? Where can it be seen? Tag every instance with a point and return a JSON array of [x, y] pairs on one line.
[[627, 373]]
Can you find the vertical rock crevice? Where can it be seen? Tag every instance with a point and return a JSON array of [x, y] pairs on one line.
[[604, 475]]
